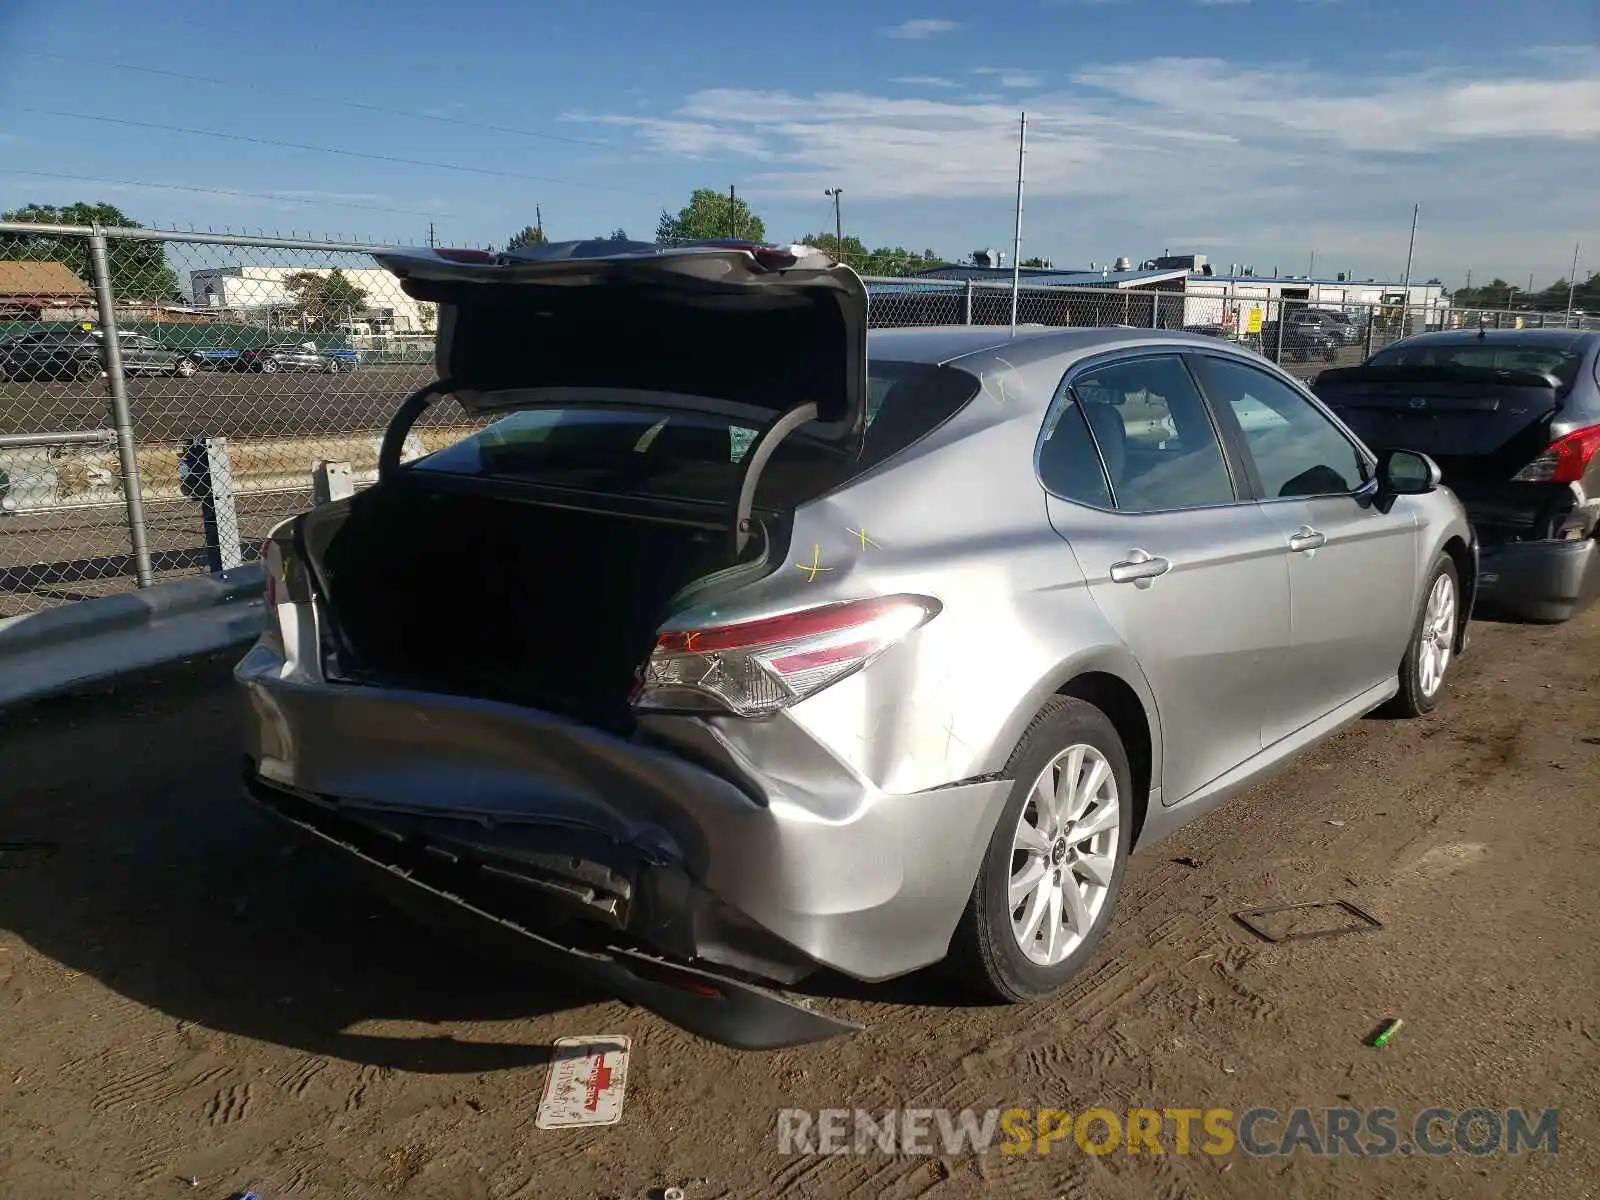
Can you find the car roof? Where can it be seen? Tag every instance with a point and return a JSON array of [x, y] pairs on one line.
[[943, 344]]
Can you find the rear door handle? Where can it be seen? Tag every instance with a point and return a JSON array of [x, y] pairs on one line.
[[1306, 538], [1139, 568]]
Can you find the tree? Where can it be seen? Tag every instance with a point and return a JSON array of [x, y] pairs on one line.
[[708, 216], [528, 235], [139, 270], [885, 260], [324, 301], [616, 235], [897, 260], [1036, 261], [854, 252]]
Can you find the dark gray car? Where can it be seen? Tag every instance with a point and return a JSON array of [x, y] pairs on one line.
[[1512, 417], [80, 354], [289, 357]]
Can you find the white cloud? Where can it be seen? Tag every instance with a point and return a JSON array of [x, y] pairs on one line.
[[1174, 143], [925, 81], [1008, 77], [921, 27], [1410, 113]]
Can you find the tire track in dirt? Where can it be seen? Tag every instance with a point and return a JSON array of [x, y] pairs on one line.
[[230, 1105]]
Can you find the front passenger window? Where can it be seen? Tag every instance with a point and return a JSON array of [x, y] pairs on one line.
[[1297, 450]]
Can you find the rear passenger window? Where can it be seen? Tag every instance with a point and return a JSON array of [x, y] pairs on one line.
[[1150, 435]]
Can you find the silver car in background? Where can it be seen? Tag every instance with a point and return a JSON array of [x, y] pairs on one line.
[[732, 651]]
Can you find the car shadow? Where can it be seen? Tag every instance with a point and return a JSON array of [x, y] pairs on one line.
[[128, 853]]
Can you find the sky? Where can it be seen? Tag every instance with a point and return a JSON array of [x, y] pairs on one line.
[[1253, 131]]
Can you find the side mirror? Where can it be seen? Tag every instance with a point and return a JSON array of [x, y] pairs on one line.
[[1407, 473]]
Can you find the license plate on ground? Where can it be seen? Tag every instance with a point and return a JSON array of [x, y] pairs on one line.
[[585, 1083]]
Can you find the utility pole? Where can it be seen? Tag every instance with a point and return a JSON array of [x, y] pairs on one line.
[[733, 213], [1410, 249], [1572, 280], [538, 220], [1312, 269], [838, 222], [1468, 288], [1016, 239], [431, 242]]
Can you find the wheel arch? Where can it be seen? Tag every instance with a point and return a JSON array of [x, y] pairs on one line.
[[1111, 680], [1115, 697]]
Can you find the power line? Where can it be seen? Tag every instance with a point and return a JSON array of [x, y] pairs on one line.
[[261, 141], [79, 60], [178, 187]]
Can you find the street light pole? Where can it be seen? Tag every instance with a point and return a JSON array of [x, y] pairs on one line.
[[838, 221]]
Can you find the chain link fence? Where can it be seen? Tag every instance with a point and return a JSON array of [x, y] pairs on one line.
[[165, 397]]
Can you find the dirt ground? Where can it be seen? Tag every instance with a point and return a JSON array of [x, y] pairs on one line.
[[190, 1008]]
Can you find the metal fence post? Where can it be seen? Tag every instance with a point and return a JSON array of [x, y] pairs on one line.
[[207, 476], [121, 418], [969, 302], [1283, 314], [1155, 310], [1372, 321]]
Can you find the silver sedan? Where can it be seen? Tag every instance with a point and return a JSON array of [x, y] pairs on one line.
[[735, 647]]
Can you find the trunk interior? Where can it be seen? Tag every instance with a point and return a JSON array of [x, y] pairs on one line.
[[502, 598]]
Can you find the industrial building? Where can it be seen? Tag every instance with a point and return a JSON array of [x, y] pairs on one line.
[[254, 293], [1238, 299]]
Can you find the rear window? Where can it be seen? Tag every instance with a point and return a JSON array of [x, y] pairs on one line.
[[1562, 364], [697, 457]]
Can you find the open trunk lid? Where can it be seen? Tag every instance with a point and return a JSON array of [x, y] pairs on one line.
[[739, 329], [1477, 423]]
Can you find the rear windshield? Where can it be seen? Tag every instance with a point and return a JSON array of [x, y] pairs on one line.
[[697, 457], [1563, 364]]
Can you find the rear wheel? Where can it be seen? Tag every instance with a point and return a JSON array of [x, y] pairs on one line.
[[183, 368], [267, 366], [1053, 868], [333, 366], [1432, 648]]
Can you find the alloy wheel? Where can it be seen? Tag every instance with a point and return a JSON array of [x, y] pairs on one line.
[[1063, 854], [1438, 635]]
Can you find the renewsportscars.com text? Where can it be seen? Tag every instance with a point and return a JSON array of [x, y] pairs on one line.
[[1261, 1132]]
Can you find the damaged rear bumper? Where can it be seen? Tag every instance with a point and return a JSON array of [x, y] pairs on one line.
[[672, 842], [711, 1004]]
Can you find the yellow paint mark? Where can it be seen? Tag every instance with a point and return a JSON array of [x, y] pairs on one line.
[[861, 534], [814, 567]]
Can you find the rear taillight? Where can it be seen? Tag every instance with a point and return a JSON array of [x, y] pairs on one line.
[[1566, 460], [756, 668]]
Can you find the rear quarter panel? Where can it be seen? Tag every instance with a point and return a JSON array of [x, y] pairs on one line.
[[960, 517]]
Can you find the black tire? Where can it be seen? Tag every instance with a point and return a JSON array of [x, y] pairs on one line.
[[985, 954], [1413, 699]]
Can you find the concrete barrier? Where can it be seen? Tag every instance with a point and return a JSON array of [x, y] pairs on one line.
[[53, 478]]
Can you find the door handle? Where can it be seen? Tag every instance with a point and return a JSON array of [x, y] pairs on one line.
[[1139, 568], [1306, 538]]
